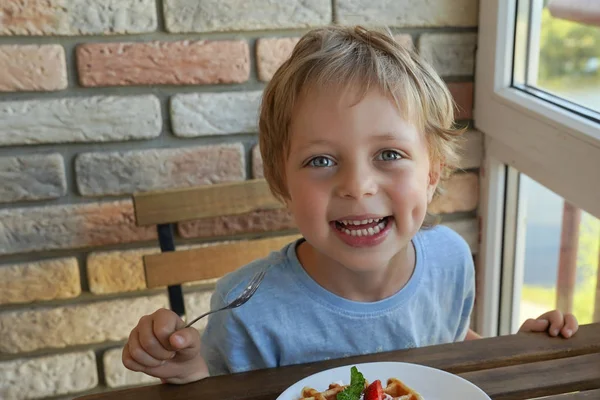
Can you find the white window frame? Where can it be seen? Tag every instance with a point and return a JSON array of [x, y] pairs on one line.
[[557, 148]]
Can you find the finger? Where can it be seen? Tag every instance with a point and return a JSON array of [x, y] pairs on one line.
[[152, 345], [535, 325], [137, 352], [164, 372], [186, 341], [571, 326], [164, 323], [129, 362], [557, 322]]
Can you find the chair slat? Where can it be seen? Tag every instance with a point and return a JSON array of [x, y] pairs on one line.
[[176, 205], [210, 262]]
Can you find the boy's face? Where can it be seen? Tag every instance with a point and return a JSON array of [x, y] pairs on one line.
[[358, 177]]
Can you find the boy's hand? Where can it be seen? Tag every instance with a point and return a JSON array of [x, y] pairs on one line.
[[159, 346], [553, 322]]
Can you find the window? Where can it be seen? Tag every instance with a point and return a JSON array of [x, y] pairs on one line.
[[540, 114], [554, 258], [557, 58]]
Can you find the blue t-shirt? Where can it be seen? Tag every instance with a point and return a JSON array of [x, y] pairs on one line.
[[291, 319]]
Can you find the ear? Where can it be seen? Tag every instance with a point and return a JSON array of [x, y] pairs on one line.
[[287, 201], [435, 172]]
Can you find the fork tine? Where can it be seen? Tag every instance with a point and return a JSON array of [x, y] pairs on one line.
[[242, 299], [261, 277], [253, 279], [257, 277], [255, 282], [250, 289]]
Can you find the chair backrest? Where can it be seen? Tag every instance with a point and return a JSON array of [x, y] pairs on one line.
[[165, 208], [178, 205]]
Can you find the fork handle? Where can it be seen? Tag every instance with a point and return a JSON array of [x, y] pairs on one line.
[[200, 317]]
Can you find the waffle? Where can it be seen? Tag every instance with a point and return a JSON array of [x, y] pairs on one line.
[[329, 394], [399, 391], [395, 388]]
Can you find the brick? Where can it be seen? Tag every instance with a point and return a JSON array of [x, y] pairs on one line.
[[271, 53], [257, 163], [462, 92], [117, 173], [204, 114], [33, 177], [472, 150], [76, 17], [33, 229], [116, 375], [468, 229], [254, 222], [461, 194], [42, 328], [197, 303], [407, 13], [117, 271], [450, 54], [48, 376], [32, 68], [79, 119], [39, 281], [237, 15], [167, 63]]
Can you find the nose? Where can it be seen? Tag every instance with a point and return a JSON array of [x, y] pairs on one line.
[[356, 182]]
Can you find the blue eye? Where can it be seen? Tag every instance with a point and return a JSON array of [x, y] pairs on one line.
[[320, 162], [389, 155]]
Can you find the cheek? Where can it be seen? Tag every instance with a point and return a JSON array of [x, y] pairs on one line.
[[410, 197], [307, 199], [409, 188], [309, 212]]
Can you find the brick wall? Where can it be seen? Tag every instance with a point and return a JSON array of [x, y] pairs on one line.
[[101, 98]]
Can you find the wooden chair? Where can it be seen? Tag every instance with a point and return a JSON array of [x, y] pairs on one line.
[[167, 207]]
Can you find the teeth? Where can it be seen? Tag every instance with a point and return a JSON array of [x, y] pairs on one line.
[[363, 222], [364, 232]]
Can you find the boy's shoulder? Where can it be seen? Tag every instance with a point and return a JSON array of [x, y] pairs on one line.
[[443, 235], [443, 242], [233, 283]]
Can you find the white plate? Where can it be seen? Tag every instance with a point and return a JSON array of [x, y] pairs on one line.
[[431, 383]]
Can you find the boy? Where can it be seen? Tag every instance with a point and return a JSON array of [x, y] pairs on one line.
[[356, 134]]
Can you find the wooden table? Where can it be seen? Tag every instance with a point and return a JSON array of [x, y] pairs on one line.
[[520, 366]]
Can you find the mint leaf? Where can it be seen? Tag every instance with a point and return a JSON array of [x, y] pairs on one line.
[[356, 378], [357, 385]]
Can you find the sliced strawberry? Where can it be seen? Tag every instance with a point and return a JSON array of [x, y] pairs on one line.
[[374, 391]]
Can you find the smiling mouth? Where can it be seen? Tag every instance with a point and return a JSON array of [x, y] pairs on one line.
[[366, 227]]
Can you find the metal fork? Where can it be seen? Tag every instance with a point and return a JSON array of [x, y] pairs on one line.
[[241, 299]]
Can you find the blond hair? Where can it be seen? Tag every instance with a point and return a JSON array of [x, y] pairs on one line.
[[343, 56]]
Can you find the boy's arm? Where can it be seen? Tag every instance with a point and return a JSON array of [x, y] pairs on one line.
[[468, 296], [472, 335]]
